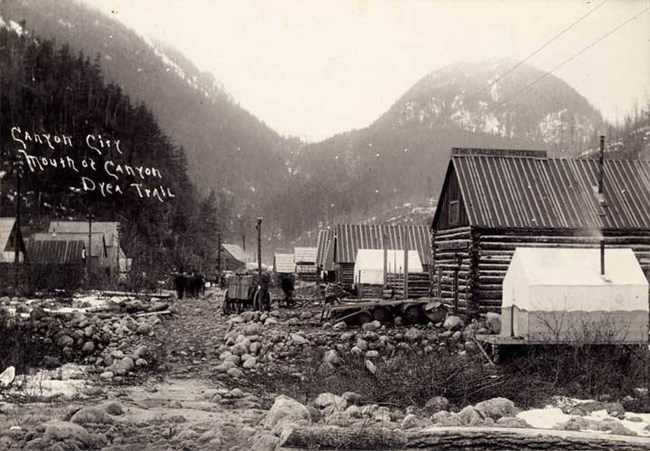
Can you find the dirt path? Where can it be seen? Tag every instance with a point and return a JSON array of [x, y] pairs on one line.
[[179, 407]]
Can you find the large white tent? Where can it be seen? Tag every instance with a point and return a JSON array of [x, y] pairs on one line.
[[369, 264], [560, 293]]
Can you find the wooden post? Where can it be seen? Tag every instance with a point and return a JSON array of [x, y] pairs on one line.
[[259, 248], [89, 253], [383, 245], [406, 264], [17, 225], [219, 259]]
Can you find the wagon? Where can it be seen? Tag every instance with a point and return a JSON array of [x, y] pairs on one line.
[[240, 293]]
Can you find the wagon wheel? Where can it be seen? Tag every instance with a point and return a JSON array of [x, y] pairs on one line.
[[382, 314], [363, 317], [412, 314]]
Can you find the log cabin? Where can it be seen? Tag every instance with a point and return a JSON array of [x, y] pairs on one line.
[[493, 201]]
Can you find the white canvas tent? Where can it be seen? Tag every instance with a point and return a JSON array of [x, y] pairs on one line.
[[369, 264], [559, 293]]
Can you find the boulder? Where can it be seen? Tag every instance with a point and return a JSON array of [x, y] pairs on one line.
[[250, 363], [512, 422], [412, 334], [453, 323], [328, 399], [88, 347], [340, 326], [362, 344], [372, 354], [298, 339], [58, 431], [496, 408], [436, 404], [469, 416], [285, 410], [372, 325], [92, 415], [144, 329], [331, 357]]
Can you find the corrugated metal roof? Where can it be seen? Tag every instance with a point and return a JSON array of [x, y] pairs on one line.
[[238, 253], [533, 192], [52, 251], [284, 263], [96, 241], [352, 237], [110, 229], [322, 247], [304, 254]]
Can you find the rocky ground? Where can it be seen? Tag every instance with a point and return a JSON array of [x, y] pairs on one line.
[[162, 374]]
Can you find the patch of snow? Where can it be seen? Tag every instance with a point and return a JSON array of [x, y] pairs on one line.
[[544, 418], [65, 23], [15, 26], [68, 380], [552, 417]]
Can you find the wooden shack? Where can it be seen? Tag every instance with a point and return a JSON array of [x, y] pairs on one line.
[[349, 238], [305, 259], [105, 245], [493, 201], [234, 257]]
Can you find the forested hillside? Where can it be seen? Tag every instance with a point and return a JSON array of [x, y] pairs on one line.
[[85, 148], [228, 150]]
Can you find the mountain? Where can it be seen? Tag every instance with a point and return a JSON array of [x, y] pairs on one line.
[[402, 156], [399, 159], [227, 148]]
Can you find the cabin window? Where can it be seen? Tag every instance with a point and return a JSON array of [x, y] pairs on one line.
[[454, 212]]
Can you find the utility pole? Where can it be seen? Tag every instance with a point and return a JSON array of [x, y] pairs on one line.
[[19, 176], [219, 258], [259, 247], [406, 264], [90, 218]]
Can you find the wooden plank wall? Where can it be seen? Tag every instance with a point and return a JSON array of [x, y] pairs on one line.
[[419, 285]]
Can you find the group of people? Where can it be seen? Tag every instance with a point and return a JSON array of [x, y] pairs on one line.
[[189, 285]]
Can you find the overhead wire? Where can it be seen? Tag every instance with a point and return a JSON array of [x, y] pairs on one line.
[[539, 49], [572, 57]]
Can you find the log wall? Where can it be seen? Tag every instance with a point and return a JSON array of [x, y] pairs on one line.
[[470, 264], [452, 275]]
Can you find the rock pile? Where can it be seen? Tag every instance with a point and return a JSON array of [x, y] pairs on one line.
[[259, 341], [347, 411], [113, 344]]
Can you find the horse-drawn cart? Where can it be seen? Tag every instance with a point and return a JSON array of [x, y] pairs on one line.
[[240, 293]]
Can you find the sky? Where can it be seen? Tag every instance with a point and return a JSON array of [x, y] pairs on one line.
[[316, 68]]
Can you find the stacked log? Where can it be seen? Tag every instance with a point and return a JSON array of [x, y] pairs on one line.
[[452, 274], [469, 264], [496, 248]]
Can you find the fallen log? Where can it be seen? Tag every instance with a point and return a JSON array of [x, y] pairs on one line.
[[455, 438]]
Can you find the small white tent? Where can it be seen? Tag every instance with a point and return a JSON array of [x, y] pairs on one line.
[[369, 264], [559, 294]]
